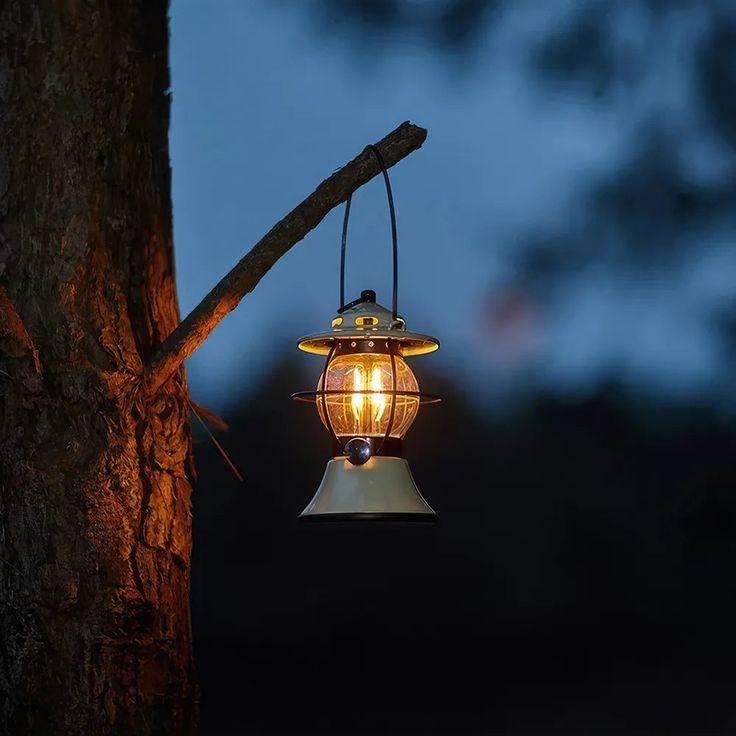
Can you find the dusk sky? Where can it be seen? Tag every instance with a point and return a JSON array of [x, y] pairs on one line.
[[269, 98]]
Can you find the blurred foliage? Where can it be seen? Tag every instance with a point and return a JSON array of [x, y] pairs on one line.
[[646, 213], [452, 24], [670, 65], [679, 181]]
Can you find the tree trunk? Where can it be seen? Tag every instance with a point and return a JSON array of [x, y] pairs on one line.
[[95, 531]]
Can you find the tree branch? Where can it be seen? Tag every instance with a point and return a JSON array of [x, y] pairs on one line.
[[244, 277]]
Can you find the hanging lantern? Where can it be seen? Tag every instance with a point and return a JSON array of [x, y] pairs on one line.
[[367, 397]]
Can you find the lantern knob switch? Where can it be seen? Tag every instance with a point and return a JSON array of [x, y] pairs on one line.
[[358, 450]]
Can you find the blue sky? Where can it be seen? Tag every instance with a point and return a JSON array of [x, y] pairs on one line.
[[266, 104]]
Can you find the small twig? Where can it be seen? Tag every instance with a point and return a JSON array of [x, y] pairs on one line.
[[244, 277], [219, 447], [209, 416]]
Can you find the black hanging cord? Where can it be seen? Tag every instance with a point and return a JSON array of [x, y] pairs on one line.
[[394, 239]]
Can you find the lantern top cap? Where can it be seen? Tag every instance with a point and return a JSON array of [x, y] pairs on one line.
[[365, 319]]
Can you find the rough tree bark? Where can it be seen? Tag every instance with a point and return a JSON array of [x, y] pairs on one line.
[[95, 632], [95, 531]]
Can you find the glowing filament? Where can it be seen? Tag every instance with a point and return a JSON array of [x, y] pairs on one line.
[[378, 400], [360, 399]]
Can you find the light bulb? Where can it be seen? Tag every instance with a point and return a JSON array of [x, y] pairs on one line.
[[358, 401]]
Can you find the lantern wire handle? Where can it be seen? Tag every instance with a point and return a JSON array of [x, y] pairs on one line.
[[394, 238], [343, 248]]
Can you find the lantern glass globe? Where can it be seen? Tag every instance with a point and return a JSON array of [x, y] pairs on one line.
[[362, 408]]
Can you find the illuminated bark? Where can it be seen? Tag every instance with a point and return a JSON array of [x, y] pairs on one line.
[[95, 536]]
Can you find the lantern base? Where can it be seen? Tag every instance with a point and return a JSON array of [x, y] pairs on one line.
[[380, 490], [363, 516]]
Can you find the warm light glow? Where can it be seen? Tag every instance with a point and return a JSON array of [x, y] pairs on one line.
[[364, 409], [358, 385], [378, 401], [368, 406]]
